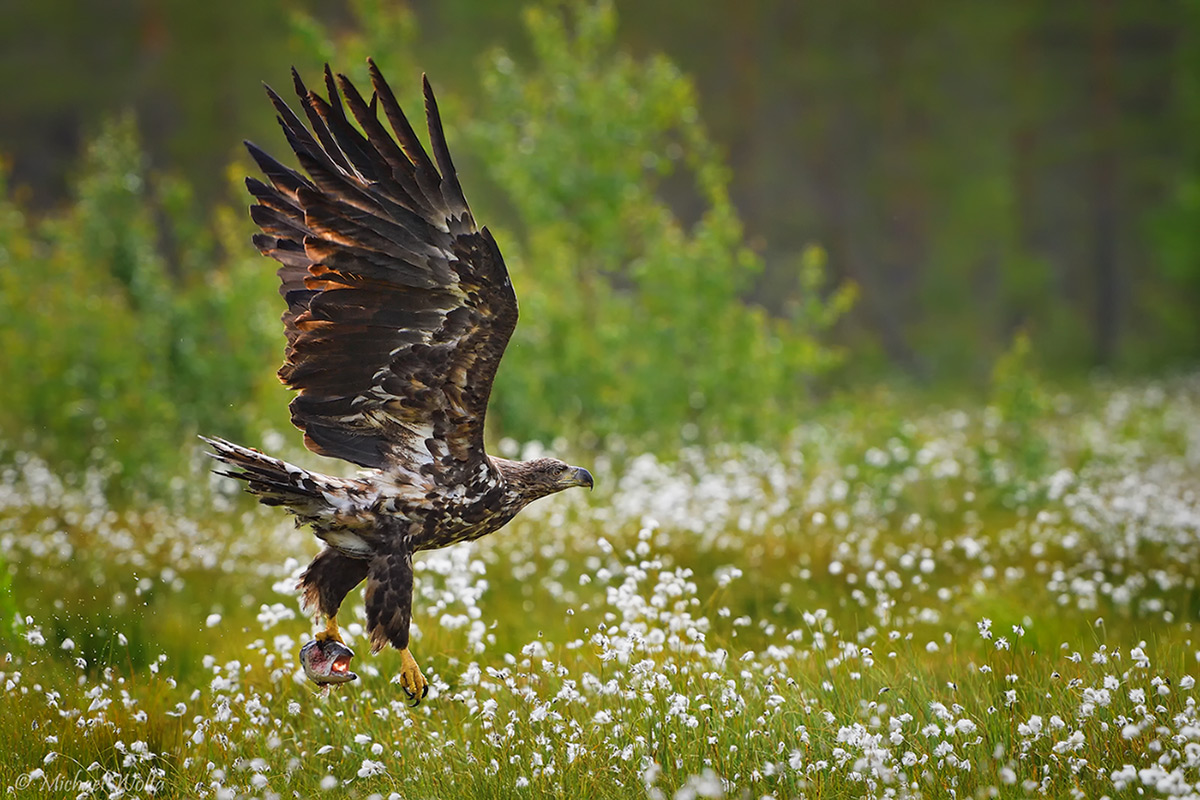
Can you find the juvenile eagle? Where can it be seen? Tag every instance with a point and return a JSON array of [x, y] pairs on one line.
[[398, 312]]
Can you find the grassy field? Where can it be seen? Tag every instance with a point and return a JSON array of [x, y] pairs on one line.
[[949, 603]]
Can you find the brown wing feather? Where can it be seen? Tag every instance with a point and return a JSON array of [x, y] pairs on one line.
[[398, 307]]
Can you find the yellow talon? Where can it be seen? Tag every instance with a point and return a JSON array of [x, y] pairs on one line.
[[411, 680], [331, 632]]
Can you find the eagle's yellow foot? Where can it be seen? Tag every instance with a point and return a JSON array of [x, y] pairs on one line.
[[331, 632], [411, 680]]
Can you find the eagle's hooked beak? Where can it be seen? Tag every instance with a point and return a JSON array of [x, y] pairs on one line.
[[580, 477]]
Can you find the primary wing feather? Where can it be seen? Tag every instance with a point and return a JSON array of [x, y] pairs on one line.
[[398, 307]]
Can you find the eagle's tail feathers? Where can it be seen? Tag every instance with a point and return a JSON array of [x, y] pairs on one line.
[[278, 483]]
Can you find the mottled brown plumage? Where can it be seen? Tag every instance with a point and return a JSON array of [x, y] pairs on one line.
[[398, 312]]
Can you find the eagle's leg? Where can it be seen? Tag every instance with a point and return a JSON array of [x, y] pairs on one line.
[[332, 631], [389, 613], [326, 582]]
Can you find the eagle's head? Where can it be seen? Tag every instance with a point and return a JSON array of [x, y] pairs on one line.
[[530, 480]]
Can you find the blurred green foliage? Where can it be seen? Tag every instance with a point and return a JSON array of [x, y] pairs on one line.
[[632, 319], [127, 323], [9, 610], [135, 320], [1175, 226], [1018, 402]]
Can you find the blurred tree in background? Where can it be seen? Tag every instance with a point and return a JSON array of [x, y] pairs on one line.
[[973, 171]]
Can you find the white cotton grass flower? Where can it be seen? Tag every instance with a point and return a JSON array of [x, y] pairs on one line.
[[1031, 727], [704, 785], [1138, 656], [965, 726]]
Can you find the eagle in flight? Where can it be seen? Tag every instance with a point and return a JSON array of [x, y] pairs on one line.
[[398, 311]]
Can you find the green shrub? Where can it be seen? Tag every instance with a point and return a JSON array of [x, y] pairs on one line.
[[1017, 404], [117, 352], [633, 321]]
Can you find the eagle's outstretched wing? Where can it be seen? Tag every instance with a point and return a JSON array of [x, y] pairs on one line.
[[398, 307]]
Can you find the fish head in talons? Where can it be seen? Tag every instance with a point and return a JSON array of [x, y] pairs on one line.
[[327, 663]]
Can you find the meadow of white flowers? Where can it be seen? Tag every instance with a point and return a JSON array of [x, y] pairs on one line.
[[927, 606]]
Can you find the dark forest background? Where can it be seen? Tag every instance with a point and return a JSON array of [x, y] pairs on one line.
[[968, 174]]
